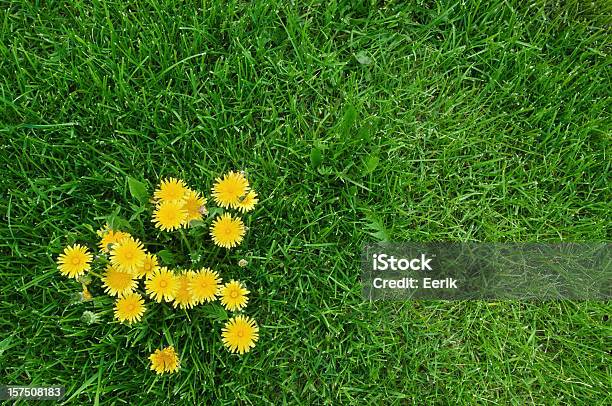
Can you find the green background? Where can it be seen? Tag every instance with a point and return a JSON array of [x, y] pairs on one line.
[[356, 121]]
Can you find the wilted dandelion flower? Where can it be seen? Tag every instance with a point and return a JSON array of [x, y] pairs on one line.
[[170, 189], [227, 231], [242, 263], [240, 334], [205, 285], [162, 285], [129, 308], [149, 266], [128, 255], [103, 230], [74, 261], [109, 237], [248, 202], [118, 283], [84, 279], [85, 294], [233, 296], [183, 296], [165, 360], [169, 215], [193, 204], [227, 191]]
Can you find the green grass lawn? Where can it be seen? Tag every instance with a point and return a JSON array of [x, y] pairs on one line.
[[355, 120]]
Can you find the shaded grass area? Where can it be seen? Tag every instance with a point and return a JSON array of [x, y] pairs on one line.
[[434, 121]]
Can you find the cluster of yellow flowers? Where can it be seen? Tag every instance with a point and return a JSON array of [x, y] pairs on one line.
[[126, 261]]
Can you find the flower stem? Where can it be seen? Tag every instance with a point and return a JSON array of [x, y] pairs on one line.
[[185, 240], [95, 274]]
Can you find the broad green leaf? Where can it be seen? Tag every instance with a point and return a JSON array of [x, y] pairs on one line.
[[316, 157], [349, 118], [370, 164], [378, 229], [215, 312], [365, 132], [363, 58], [138, 190], [215, 211], [167, 257], [196, 223], [117, 222]]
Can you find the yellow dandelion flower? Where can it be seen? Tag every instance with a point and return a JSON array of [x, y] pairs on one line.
[[118, 283], [227, 191], [165, 360], [162, 285], [248, 202], [109, 238], [227, 231], [129, 308], [205, 285], [233, 296], [194, 205], [169, 216], [170, 189], [240, 334], [150, 265], [183, 297], [128, 255], [74, 261]]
